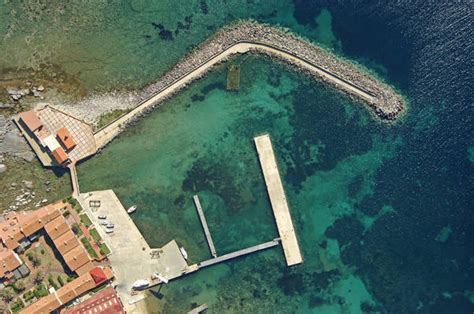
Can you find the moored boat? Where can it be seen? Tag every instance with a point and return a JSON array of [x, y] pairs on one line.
[[183, 252], [132, 209], [140, 284]]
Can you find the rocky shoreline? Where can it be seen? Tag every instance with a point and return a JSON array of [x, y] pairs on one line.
[[387, 103]]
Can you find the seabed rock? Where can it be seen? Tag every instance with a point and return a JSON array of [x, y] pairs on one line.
[[3, 168], [28, 184]]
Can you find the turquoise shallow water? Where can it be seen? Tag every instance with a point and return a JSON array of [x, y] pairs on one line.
[[201, 142], [383, 213]]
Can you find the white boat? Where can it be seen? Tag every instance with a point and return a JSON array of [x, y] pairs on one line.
[[183, 252], [140, 284], [132, 209], [160, 277]]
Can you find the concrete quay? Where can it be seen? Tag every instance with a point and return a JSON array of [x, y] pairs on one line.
[[278, 201], [131, 257]]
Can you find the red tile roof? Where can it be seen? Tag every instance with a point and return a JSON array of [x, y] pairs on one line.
[[56, 227], [66, 242], [31, 120], [65, 138], [9, 261], [76, 258], [59, 155], [65, 294], [104, 302]]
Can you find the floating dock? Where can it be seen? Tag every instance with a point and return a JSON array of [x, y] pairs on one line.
[[278, 201], [204, 226]]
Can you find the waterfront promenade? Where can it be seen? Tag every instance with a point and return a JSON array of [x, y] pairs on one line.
[[252, 37], [278, 200]]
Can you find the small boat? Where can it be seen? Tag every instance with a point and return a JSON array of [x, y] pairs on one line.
[[160, 277], [183, 252], [132, 209], [140, 284]]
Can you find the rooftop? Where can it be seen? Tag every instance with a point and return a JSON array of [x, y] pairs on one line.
[[9, 261], [66, 138], [31, 120], [67, 293], [104, 302]]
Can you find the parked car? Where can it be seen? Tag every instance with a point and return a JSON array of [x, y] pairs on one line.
[[102, 217], [109, 231], [104, 223], [110, 226]]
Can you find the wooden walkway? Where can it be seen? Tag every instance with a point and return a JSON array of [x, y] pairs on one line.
[[278, 200], [242, 252], [204, 225]]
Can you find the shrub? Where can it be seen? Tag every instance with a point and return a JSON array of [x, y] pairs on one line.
[[66, 213], [18, 286], [40, 291], [42, 251], [95, 235], [75, 228], [52, 283], [61, 281], [85, 220], [28, 296], [104, 250], [70, 278], [17, 305], [30, 256], [89, 248]]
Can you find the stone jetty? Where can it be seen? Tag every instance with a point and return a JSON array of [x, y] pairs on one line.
[[249, 36]]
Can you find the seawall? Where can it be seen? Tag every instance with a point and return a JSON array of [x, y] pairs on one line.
[[249, 36]]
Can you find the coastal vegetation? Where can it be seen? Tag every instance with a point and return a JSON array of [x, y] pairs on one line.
[[108, 117]]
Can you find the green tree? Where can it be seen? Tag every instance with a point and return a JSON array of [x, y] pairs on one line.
[[7, 294], [38, 277], [19, 286]]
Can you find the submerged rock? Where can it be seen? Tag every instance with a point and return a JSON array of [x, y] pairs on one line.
[[28, 184]]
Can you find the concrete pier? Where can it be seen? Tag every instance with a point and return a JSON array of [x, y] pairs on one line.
[[199, 309], [204, 225], [278, 200], [242, 252]]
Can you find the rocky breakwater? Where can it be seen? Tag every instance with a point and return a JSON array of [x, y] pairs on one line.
[[249, 36], [260, 38]]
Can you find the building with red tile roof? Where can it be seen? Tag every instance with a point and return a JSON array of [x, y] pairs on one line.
[[9, 261], [67, 293], [76, 258], [66, 242], [104, 302], [56, 227], [18, 226], [65, 139], [31, 120], [59, 155]]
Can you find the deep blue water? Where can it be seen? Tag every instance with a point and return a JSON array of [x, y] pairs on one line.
[[427, 49]]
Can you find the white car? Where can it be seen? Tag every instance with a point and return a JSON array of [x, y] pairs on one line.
[[110, 226], [109, 231], [104, 223], [102, 217]]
